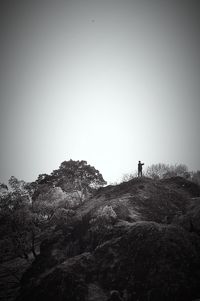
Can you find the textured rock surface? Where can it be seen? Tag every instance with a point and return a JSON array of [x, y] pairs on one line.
[[141, 250], [150, 261]]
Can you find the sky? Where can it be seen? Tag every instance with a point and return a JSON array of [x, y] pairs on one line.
[[106, 81]]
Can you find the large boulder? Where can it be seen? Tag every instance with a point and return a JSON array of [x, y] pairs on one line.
[[190, 221], [65, 282], [151, 262], [144, 199], [145, 261], [139, 238]]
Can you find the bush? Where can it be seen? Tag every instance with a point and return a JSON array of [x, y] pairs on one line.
[[164, 171], [104, 218], [63, 216]]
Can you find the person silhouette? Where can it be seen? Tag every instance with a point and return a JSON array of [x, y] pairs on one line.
[[140, 169]]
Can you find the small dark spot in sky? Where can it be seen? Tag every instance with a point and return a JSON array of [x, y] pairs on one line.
[[93, 20]]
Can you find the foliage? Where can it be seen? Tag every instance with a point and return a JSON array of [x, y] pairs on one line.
[[160, 171], [17, 185], [75, 177], [19, 224], [105, 217], [151, 261], [3, 189], [49, 200], [78, 176], [28, 209], [128, 251], [128, 176], [63, 216], [163, 171], [195, 177], [24, 226]]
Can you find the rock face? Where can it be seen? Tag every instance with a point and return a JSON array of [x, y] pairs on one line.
[[66, 281], [132, 245], [191, 219], [150, 261]]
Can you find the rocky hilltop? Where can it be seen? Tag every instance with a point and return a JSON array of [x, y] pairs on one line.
[[140, 238]]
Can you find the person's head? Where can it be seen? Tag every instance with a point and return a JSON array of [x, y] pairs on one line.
[[139, 161]]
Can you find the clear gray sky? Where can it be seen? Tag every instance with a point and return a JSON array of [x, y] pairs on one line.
[[107, 81]]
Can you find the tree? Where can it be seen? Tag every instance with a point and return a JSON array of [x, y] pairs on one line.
[[105, 217], [128, 176], [157, 171], [49, 200], [24, 229], [29, 209], [163, 171], [19, 224], [74, 177], [3, 189], [177, 170], [21, 188], [195, 177], [16, 185], [101, 223]]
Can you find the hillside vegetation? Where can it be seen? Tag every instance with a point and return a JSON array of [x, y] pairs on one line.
[[140, 238]]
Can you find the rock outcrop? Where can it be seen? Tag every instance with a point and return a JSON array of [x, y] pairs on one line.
[[127, 238]]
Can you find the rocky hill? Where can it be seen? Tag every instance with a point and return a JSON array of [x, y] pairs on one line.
[[140, 238]]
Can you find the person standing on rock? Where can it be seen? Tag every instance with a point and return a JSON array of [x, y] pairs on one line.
[[140, 169]]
